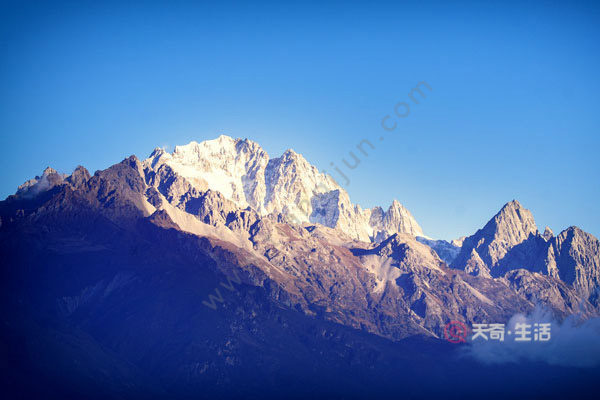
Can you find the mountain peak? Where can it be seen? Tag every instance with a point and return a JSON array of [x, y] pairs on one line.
[[50, 178], [513, 207], [226, 138], [79, 176], [48, 171], [512, 225], [222, 147], [513, 217], [396, 219], [574, 231], [291, 157], [548, 234], [514, 203], [288, 185], [157, 152]]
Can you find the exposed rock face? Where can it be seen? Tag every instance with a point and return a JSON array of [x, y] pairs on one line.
[[510, 227], [476, 266], [288, 185], [79, 177], [548, 234], [39, 184], [397, 219], [176, 189], [543, 289], [510, 241], [576, 255], [264, 194], [396, 288], [269, 207]]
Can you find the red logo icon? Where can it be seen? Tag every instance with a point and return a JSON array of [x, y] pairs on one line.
[[456, 332]]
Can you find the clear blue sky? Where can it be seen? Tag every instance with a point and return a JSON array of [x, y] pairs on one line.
[[514, 111]]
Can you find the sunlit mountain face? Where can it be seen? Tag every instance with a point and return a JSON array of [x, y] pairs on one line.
[[219, 271]]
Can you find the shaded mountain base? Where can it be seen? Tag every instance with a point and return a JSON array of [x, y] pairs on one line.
[[148, 335], [323, 361]]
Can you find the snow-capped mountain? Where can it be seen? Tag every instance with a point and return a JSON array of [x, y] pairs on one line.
[[288, 185], [211, 262]]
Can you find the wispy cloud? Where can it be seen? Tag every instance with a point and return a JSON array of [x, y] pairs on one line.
[[575, 342]]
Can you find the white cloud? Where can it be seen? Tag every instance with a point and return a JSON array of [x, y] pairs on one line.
[[574, 342]]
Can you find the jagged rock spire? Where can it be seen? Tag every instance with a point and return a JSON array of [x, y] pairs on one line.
[[512, 225]]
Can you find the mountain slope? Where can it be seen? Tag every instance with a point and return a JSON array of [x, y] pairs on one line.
[[178, 287], [510, 241]]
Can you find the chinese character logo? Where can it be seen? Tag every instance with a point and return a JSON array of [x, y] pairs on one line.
[[522, 333], [495, 332]]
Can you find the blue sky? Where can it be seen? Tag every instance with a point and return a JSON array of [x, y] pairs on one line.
[[513, 111]]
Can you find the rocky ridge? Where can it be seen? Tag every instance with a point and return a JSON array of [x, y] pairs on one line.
[[392, 284], [243, 173]]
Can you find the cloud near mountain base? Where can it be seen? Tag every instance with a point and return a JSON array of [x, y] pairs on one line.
[[574, 342]]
